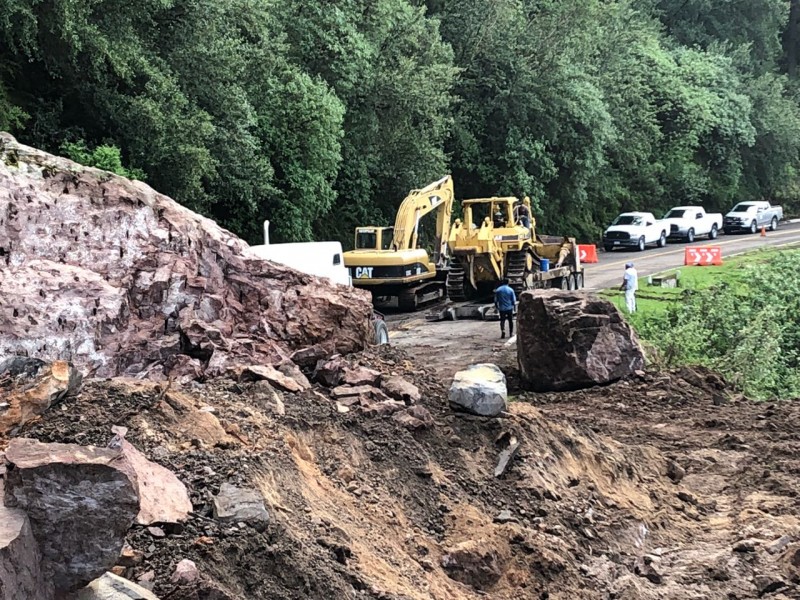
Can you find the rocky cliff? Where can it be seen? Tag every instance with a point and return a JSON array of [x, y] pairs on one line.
[[109, 274]]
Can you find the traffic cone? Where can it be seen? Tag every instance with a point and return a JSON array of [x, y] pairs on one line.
[[763, 231]]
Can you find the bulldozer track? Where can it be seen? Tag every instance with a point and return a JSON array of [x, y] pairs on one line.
[[516, 270], [455, 283]]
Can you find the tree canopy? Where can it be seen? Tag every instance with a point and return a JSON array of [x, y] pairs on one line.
[[321, 115]]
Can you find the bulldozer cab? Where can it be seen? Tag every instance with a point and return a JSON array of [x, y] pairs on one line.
[[497, 213], [374, 238]]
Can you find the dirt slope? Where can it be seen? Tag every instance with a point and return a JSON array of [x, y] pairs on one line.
[[363, 508]]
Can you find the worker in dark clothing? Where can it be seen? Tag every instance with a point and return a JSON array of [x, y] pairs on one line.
[[523, 215], [504, 301], [499, 218]]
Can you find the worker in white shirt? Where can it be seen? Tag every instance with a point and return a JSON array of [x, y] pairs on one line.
[[630, 283]]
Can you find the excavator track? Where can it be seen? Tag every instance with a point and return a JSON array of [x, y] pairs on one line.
[[517, 271], [455, 283]]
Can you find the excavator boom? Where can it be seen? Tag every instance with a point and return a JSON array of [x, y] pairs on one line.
[[439, 195], [394, 262]]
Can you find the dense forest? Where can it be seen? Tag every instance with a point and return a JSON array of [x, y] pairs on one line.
[[321, 115]]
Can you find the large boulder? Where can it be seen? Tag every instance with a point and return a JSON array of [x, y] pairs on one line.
[[572, 340], [124, 280], [480, 390], [81, 501], [20, 563]]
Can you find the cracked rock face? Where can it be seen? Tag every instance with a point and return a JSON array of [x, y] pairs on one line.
[[118, 279], [573, 340]]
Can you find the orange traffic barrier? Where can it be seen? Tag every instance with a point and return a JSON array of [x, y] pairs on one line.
[[587, 253], [763, 231], [703, 256]]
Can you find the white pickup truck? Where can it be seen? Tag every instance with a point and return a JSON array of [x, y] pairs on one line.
[[752, 216], [690, 222], [635, 230]]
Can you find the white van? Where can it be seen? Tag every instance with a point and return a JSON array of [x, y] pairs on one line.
[[323, 259]]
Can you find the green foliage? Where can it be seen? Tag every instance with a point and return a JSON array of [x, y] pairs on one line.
[[103, 157], [749, 329], [322, 115]]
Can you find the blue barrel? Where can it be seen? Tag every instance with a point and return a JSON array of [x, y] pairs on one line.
[[545, 265]]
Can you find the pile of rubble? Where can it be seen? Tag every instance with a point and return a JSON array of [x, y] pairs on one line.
[[120, 280]]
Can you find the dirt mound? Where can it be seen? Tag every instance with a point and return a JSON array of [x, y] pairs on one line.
[[118, 279], [362, 507]]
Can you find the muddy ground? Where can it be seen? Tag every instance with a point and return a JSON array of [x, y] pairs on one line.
[[664, 486]]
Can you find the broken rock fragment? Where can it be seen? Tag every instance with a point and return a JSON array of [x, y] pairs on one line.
[[163, 498], [480, 390], [20, 562], [34, 387], [282, 381], [80, 500], [234, 504], [400, 389], [113, 587], [330, 372], [361, 376]]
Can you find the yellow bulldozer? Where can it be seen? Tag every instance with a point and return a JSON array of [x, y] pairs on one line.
[[495, 240], [393, 263]]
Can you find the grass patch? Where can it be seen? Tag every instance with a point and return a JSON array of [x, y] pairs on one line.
[[741, 318]]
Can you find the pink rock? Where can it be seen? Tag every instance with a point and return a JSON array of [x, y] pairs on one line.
[[185, 572], [124, 280], [361, 376], [163, 498], [401, 389], [273, 376]]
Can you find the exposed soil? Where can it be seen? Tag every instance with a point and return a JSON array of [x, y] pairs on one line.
[[363, 508]]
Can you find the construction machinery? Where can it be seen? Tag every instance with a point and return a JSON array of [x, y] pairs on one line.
[[497, 239], [393, 263]]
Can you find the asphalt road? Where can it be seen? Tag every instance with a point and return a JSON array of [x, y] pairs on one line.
[[447, 346], [608, 272]]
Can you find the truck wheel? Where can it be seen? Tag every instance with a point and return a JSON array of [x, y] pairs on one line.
[[578, 281], [562, 283], [713, 234], [662, 241], [690, 236], [774, 225], [753, 227], [642, 245], [381, 332], [570, 282], [608, 248]]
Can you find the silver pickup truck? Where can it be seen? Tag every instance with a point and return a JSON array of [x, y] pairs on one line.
[[752, 216]]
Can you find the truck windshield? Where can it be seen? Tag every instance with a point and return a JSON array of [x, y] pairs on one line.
[[627, 220], [675, 214], [742, 208], [366, 240]]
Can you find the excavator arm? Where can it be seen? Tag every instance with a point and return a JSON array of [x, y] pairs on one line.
[[438, 196]]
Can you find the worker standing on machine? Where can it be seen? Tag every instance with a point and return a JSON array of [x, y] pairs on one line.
[[523, 214], [505, 300]]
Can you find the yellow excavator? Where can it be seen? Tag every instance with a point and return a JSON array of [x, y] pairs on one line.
[[496, 239], [388, 260]]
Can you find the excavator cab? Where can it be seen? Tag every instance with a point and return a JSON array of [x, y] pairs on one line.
[[374, 238]]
